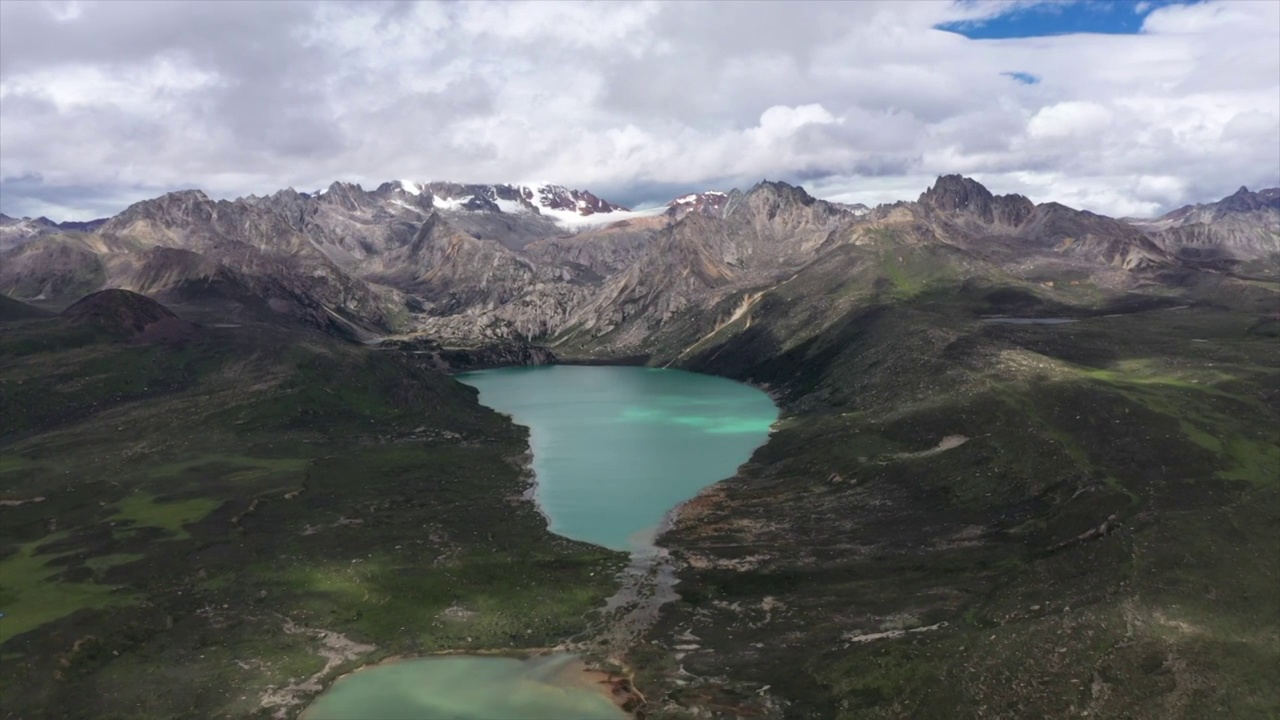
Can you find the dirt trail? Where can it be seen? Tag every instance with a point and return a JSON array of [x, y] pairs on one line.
[[949, 442]]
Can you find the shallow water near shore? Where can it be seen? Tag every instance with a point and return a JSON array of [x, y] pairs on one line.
[[468, 688], [615, 448]]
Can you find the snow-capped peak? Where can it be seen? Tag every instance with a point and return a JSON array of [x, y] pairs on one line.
[[708, 202], [692, 198], [571, 209], [558, 197]]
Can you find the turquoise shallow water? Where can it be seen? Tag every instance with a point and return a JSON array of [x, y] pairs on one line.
[[466, 688], [615, 448]]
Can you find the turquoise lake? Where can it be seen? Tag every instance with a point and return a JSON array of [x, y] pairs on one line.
[[615, 448]]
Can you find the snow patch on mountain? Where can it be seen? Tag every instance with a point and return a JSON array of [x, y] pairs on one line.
[[449, 203], [692, 198], [571, 220], [570, 209], [511, 207]]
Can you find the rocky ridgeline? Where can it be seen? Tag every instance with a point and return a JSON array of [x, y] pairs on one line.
[[482, 263]]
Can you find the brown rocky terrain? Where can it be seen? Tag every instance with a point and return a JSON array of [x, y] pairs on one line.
[[482, 262]]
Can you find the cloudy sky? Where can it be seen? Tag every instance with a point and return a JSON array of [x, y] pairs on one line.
[[1125, 109]]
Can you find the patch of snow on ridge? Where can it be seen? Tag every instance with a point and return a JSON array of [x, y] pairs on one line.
[[693, 197], [410, 187], [511, 206], [571, 220], [449, 203]]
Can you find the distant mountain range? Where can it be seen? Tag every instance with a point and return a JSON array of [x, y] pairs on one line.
[[16, 231], [475, 263]]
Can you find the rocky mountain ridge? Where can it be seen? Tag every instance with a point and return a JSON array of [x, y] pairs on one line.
[[479, 263], [1243, 226], [16, 231]]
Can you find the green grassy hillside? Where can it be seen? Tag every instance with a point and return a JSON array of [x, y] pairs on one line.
[[962, 518], [217, 526]]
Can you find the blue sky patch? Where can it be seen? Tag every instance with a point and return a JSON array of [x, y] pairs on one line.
[[1024, 78], [1063, 17]]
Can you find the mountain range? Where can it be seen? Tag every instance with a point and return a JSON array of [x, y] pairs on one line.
[[481, 263]]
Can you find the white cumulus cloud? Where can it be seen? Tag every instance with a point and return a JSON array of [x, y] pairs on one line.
[[102, 103]]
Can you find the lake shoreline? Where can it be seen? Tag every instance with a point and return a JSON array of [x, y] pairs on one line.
[[617, 688]]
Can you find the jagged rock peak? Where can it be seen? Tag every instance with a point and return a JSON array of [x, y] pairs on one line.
[[1243, 200], [558, 197], [344, 194], [955, 192], [179, 203], [343, 186], [185, 197], [783, 190], [710, 202], [962, 195]]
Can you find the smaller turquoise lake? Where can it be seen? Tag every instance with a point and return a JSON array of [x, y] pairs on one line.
[[615, 448], [467, 688]]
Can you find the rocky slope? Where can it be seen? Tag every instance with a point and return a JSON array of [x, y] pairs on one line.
[[518, 263], [1244, 226], [51, 267], [16, 231]]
